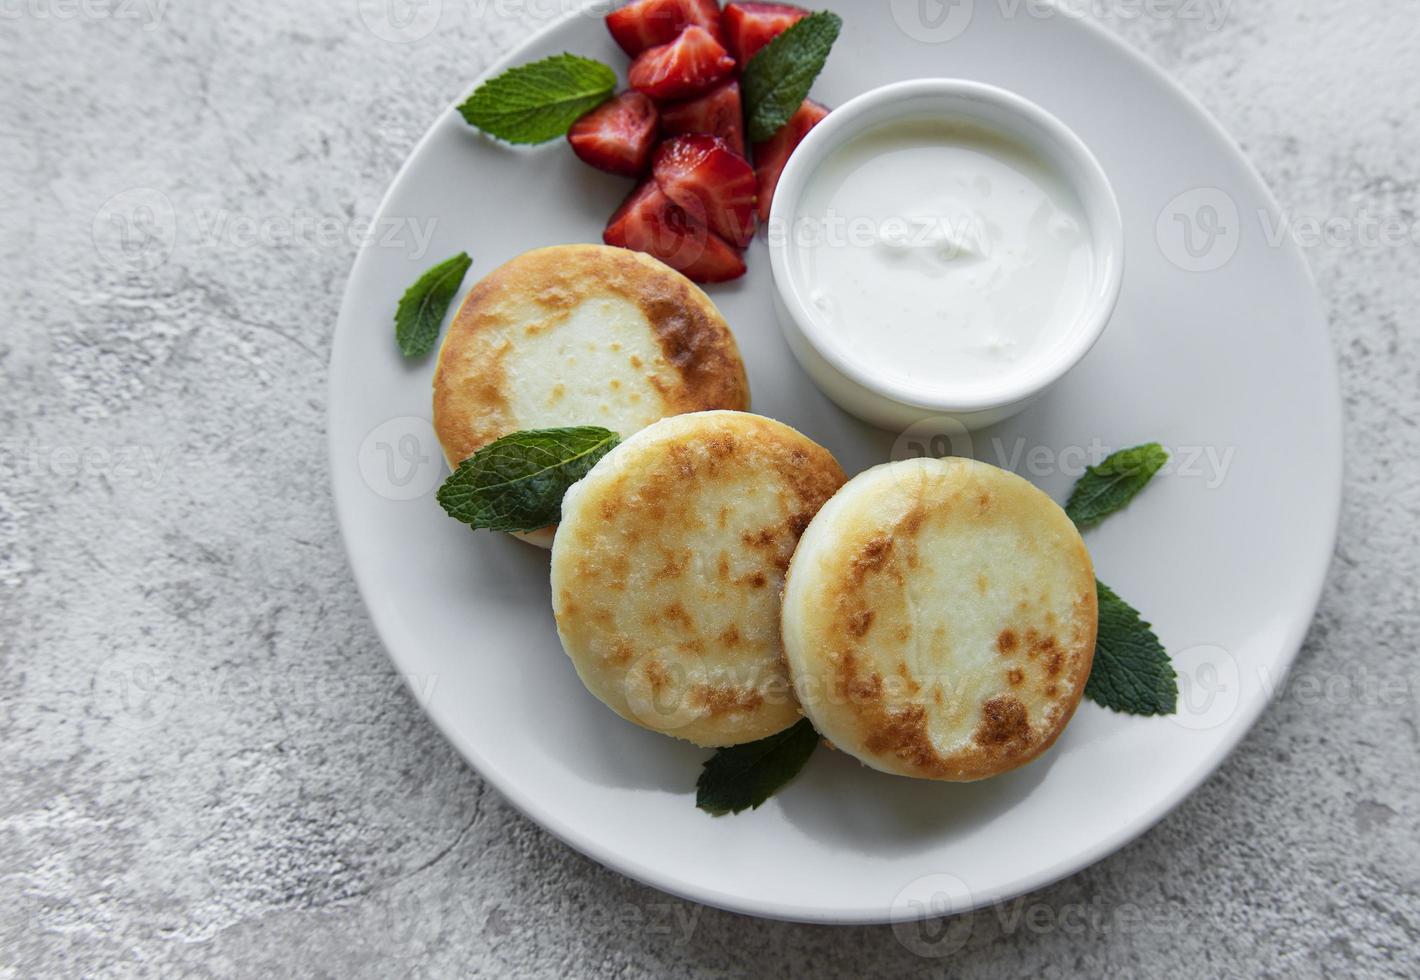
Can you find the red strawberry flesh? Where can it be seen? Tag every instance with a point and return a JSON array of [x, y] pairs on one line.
[[750, 26], [705, 177], [644, 24], [649, 221], [687, 66], [718, 112], [771, 155], [618, 135]]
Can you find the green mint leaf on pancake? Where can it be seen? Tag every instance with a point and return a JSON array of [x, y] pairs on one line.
[[422, 308], [742, 777], [1109, 486], [1131, 671], [540, 101], [778, 78], [516, 483]]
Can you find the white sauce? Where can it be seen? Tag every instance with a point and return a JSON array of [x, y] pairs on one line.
[[942, 255]]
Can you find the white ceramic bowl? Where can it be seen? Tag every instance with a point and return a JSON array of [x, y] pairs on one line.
[[889, 402]]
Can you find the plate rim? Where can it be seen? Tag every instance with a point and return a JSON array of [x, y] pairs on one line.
[[1125, 833]]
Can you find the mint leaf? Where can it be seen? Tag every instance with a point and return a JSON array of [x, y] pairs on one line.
[[778, 78], [516, 483], [1131, 672], [540, 101], [422, 307], [1109, 486], [742, 777]]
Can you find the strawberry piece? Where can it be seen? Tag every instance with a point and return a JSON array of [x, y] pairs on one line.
[[771, 155], [638, 207], [618, 135], [750, 26], [705, 177], [687, 66], [717, 112], [650, 222], [644, 24]]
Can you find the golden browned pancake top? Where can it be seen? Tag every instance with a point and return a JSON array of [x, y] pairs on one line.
[[939, 619], [667, 568], [581, 335]]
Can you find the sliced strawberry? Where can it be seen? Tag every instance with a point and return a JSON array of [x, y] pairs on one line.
[[750, 26], [703, 175], [687, 66], [717, 112], [650, 222], [771, 155], [643, 201], [643, 24], [618, 135]]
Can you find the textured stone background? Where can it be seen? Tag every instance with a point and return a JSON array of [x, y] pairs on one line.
[[165, 524]]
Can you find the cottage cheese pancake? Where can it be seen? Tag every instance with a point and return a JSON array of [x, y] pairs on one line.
[[668, 566], [939, 619], [581, 335]]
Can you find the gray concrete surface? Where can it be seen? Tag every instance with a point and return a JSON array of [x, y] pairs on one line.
[[164, 514]]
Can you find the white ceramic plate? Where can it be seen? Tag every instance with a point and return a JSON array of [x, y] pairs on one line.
[[1218, 349]]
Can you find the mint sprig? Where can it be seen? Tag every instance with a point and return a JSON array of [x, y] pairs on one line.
[[1110, 485], [1131, 671], [421, 309], [742, 777], [778, 78], [516, 483], [540, 101]]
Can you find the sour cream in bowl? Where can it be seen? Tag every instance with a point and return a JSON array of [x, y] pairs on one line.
[[942, 247]]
